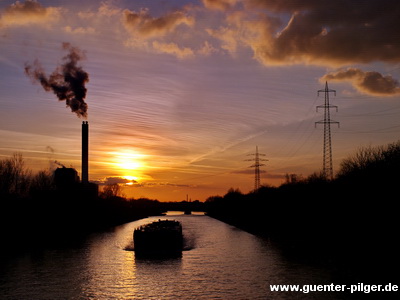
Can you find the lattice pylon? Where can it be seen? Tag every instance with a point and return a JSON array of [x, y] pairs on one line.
[[327, 166], [257, 164]]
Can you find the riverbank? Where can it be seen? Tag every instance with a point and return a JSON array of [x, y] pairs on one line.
[[356, 249], [349, 225], [54, 218]]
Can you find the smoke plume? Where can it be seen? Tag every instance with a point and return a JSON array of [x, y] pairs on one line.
[[67, 82]]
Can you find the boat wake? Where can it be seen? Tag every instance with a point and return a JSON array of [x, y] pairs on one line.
[[188, 243], [129, 247]]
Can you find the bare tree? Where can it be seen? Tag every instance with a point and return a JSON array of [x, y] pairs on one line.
[[14, 177], [111, 190]]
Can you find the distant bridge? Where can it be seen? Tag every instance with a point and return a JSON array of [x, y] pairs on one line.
[[184, 206]]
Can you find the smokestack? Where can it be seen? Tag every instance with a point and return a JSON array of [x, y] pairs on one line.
[[85, 152]]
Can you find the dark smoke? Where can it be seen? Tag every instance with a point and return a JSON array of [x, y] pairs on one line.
[[67, 81]]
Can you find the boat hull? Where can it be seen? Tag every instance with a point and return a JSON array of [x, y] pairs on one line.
[[161, 238]]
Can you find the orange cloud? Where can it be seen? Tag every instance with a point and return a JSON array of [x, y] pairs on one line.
[[173, 48], [207, 49], [372, 83], [219, 4], [28, 12], [144, 25]]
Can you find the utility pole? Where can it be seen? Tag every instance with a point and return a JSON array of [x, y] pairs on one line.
[[327, 169], [256, 167]]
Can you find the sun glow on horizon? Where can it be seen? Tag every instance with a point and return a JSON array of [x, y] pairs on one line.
[[129, 164], [132, 179]]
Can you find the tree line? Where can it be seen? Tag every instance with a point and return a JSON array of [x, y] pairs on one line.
[[35, 211], [41, 209], [351, 220]]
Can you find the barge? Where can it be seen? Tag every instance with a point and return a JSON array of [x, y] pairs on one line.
[[159, 238]]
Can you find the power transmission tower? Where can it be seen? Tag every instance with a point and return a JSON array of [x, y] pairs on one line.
[[256, 167], [327, 169]]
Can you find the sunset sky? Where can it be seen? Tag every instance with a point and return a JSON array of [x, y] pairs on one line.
[[179, 93]]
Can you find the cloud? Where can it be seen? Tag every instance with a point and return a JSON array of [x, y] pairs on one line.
[[105, 11], [243, 29], [371, 82], [168, 184], [28, 12], [108, 9], [320, 32], [118, 180], [207, 49], [227, 36], [144, 25], [158, 34], [284, 32], [276, 32], [134, 184], [80, 30], [172, 48], [219, 4]]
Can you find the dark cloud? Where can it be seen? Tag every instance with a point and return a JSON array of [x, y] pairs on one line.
[[67, 82], [370, 82], [134, 183], [117, 180], [27, 7], [329, 32], [149, 184]]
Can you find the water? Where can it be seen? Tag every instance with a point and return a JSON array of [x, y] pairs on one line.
[[219, 262]]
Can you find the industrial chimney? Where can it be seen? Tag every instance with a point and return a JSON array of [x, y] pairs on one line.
[[85, 152]]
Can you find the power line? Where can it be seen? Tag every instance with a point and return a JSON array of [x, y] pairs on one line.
[[256, 167], [295, 146], [327, 168]]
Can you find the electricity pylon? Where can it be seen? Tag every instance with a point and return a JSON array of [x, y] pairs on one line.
[[256, 167], [327, 169]]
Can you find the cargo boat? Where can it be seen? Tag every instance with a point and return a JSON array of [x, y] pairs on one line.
[[159, 238]]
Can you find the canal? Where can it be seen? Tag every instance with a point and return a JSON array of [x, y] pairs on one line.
[[219, 262]]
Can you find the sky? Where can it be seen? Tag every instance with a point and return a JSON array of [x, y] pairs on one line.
[[178, 94]]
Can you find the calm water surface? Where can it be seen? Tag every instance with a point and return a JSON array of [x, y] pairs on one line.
[[219, 262]]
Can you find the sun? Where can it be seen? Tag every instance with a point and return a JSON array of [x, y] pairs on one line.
[[132, 179], [129, 164]]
